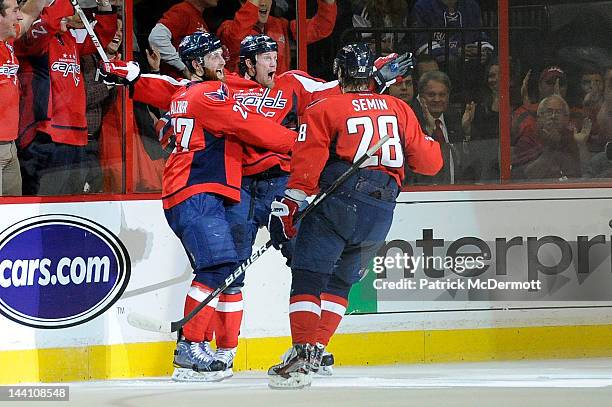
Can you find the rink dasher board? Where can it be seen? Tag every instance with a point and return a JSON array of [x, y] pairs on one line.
[[160, 273]]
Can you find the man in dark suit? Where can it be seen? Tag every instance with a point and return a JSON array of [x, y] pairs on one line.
[[431, 107]]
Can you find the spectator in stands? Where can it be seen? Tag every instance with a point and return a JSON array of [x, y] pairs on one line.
[[113, 49], [553, 80], [591, 86], [434, 92], [180, 20], [600, 165], [450, 14], [590, 100], [98, 96], [53, 126], [432, 110], [486, 116], [254, 18], [604, 117], [483, 129], [148, 157], [383, 14], [403, 90], [558, 153], [13, 23], [426, 63]]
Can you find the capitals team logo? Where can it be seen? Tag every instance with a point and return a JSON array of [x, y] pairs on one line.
[[262, 100], [58, 271], [68, 65], [220, 95], [10, 71]]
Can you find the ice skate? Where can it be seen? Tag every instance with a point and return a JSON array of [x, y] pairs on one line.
[[224, 360], [327, 365], [316, 355], [193, 362], [294, 372], [206, 348]]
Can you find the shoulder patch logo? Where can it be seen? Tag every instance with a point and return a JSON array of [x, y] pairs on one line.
[[219, 95]]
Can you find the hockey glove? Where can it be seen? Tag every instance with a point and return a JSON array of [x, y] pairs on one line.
[[119, 72], [283, 211], [392, 69], [165, 133]]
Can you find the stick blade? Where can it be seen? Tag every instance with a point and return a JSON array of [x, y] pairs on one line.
[[148, 324]]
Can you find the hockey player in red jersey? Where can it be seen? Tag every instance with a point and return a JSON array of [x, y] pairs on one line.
[[343, 233], [282, 99], [202, 175]]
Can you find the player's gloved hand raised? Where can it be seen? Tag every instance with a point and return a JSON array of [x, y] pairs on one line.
[[165, 132], [119, 72], [283, 211], [392, 69]]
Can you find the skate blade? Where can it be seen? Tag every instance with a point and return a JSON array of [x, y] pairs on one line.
[[189, 375], [295, 381], [226, 374], [325, 371]]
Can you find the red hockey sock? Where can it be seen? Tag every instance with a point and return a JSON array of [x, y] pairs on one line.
[[229, 317], [212, 327], [333, 308], [304, 314], [195, 330]]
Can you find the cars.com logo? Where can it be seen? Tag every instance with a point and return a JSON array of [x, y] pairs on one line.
[[58, 271]]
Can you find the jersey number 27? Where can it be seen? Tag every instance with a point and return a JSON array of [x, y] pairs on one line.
[[391, 153]]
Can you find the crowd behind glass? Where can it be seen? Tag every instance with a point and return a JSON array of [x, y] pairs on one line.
[[560, 87]]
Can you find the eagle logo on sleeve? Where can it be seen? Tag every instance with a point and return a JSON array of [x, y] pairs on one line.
[[219, 95]]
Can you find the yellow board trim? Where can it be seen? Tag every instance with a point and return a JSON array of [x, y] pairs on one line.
[[154, 359]]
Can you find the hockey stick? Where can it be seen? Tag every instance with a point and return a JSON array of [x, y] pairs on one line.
[[90, 31], [152, 324]]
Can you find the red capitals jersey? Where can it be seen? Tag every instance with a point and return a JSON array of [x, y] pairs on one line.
[[232, 32], [53, 93], [9, 90], [210, 128], [346, 126], [284, 104], [183, 19], [293, 91]]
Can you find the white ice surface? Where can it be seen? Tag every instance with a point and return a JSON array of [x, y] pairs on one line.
[[576, 383]]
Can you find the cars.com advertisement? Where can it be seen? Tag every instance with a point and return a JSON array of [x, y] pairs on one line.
[[58, 271]]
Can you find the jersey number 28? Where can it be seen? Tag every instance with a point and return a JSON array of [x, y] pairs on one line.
[[391, 153]]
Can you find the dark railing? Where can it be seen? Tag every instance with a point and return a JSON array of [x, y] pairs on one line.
[[353, 34], [463, 71], [521, 16]]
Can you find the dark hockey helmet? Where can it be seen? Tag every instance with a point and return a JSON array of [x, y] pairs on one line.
[[253, 45], [197, 45], [354, 61]]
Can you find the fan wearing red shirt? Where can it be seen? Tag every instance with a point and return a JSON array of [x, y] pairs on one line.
[[341, 235], [252, 19], [180, 20], [53, 125], [13, 22]]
